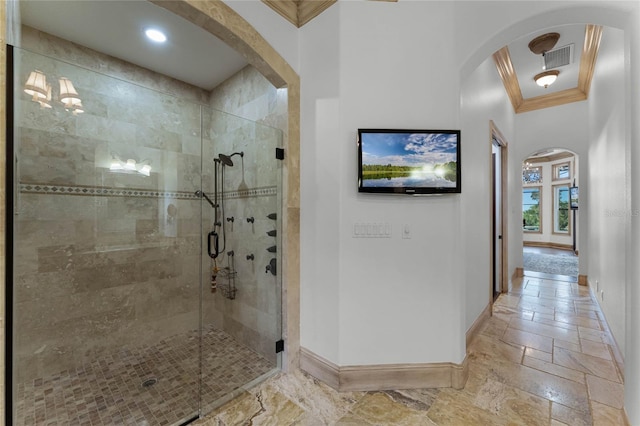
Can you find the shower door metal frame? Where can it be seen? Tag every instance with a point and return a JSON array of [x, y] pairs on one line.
[[8, 243]]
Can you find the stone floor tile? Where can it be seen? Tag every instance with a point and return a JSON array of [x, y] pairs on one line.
[[559, 343], [545, 320], [525, 338], [534, 353], [598, 349], [456, 408], [379, 409], [497, 348], [586, 363], [546, 330], [556, 370], [605, 391], [594, 335], [569, 416], [603, 415], [512, 403]]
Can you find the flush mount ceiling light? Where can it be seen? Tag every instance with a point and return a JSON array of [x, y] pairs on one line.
[[544, 79], [543, 43], [155, 35]]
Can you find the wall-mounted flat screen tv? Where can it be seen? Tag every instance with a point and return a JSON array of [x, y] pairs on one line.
[[398, 161]]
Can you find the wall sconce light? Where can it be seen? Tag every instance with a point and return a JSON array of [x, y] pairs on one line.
[[130, 166], [69, 96], [37, 87]]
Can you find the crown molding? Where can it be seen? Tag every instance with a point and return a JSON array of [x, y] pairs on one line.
[[506, 71], [299, 12]]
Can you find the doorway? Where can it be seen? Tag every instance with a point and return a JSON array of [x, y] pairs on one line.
[[498, 213], [549, 217]]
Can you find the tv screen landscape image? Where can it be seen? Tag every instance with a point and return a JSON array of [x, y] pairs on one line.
[[409, 161]]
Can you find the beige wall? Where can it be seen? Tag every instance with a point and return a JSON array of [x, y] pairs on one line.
[[103, 260], [96, 272]]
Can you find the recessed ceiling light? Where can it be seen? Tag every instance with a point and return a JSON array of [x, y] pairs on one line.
[[155, 35]]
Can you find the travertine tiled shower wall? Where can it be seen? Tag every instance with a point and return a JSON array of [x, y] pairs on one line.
[[103, 260], [106, 260], [254, 316]]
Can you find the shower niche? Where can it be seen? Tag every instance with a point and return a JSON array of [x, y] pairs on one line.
[[138, 279]]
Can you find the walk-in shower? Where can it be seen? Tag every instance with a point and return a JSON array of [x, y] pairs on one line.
[[115, 319]]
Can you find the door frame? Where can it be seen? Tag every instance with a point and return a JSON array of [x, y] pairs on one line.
[[496, 134]]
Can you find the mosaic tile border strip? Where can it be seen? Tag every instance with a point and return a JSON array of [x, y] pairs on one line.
[[80, 190], [253, 192]]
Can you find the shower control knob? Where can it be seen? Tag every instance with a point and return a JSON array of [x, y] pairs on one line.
[[271, 267], [250, 219], [250, 257], [230, 219]]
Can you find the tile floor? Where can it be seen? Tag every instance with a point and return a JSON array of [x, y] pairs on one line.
[[544, 358], [109, 390]]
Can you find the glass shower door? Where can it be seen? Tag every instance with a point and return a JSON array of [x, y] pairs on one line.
[[107, 257], [241, 299]]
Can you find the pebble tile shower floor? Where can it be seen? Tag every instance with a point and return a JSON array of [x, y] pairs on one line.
[[110, 391]]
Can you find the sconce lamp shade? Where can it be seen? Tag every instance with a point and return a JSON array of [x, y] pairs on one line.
[[68, 95], [145, 170], [546, 78], [36, 86], [46, 103]]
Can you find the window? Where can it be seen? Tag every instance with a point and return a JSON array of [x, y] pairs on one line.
[[561, 209], [531, 219], [561, 171], [531, 174]]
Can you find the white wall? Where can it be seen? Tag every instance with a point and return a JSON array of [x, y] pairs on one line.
[[374, 296], [482, 98], [278, 32], [321, 186], [632, 352], [392, 291], [608, 218]]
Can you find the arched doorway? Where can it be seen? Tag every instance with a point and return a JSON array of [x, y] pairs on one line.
[[549, 220]]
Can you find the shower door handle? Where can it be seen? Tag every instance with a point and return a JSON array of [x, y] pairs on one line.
[[212, 235]]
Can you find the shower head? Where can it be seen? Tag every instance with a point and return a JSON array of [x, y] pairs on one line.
[[226, 159]]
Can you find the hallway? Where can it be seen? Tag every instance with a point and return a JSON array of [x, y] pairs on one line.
[[543, 358], [550, 263]]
